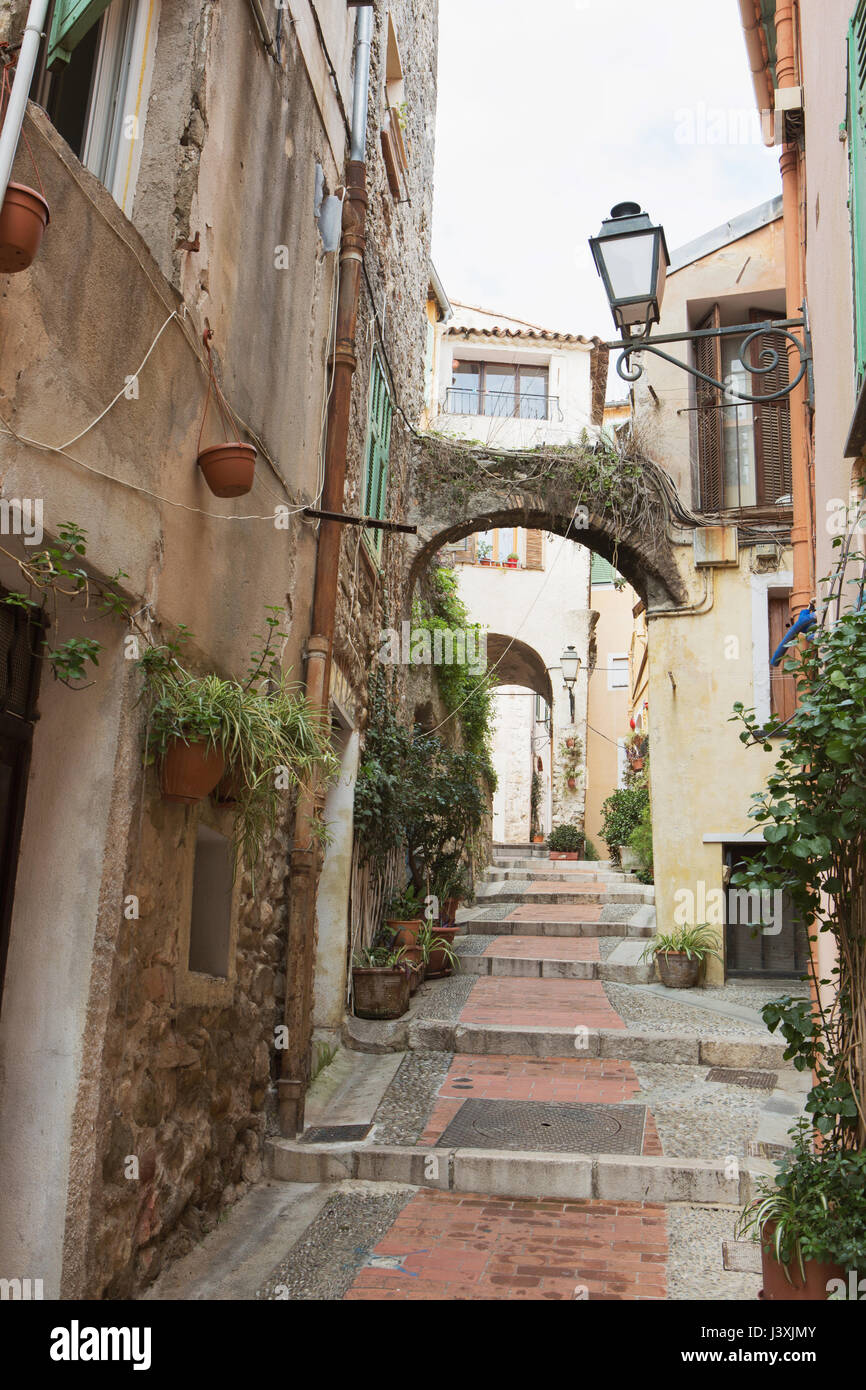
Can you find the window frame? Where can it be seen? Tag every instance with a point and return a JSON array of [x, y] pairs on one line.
[[857, 178], [377, 454], [481, 394], [611, 670]]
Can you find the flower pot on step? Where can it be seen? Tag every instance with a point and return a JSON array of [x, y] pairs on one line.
[[190, 771], [23, 219], [562, 854], [677, 970], [380, 992], [438, 965], [229, 469], [793, 1288]]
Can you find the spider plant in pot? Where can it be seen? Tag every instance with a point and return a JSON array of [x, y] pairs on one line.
[[811, 1222], [380, 983], [437, 948], [680, 954]]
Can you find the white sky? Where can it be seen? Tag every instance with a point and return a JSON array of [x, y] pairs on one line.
[[551, 111]]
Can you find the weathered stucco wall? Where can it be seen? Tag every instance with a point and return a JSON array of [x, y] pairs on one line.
[[154, 1063]]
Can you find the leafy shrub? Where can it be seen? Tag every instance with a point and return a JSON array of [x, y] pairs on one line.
[[622, 813], [565, 839], [641, 841]]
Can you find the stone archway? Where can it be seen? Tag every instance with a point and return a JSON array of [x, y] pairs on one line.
[[617, 506]]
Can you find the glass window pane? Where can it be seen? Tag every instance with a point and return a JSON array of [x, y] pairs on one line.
[[629, 262], [500, 389], [533, 393], [463, 398], [738, 434]]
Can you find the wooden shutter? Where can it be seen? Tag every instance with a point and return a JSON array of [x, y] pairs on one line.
[[378, 449], [772, 422], [708, 359], [783, 687], [534, 550], [857, 148], [72, 19]]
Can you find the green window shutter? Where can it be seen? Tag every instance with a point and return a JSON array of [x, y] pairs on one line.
[[72, 19], [377, 451], [857, 145]]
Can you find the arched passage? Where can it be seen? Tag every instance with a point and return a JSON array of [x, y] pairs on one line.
[[512, 662]]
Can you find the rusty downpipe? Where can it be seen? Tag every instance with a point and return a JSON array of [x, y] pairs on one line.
[[306, 855], [792, 196]]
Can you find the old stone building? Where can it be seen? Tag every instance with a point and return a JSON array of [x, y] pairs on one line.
[[194, 156]]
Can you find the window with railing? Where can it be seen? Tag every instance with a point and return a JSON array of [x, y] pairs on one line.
[[501, 389], [744, 448]]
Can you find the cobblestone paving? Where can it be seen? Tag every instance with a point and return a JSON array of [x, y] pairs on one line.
[[695, 1236], [402, 1114], [656, 1013]]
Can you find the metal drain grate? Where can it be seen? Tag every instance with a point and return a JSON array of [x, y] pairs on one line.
[[758, 1080], [335, 1134], [542, 1126]]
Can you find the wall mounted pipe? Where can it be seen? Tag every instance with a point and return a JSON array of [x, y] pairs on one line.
[[26, 66]]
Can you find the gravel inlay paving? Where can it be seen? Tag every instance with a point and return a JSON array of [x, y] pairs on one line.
[[619, 912], [695, 1120], [695, 1236], [401, 1117], [445, 999], [654, 1013], [475, 945], [325, 1262], [608, 944], [485, 912], [753, 995]]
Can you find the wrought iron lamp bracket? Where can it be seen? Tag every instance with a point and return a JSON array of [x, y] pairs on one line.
[[631, 371]]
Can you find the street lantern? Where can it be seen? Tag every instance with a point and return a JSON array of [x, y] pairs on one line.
[[570, 665], [631, 256]]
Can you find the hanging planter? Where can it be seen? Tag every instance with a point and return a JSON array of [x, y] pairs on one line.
[[228, 468], [190, 771], [24, 214], [23, 219]]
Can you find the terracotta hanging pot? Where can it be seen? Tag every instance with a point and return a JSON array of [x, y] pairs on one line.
[[23, 219], [190, 771], [572, 784], [228, 469]]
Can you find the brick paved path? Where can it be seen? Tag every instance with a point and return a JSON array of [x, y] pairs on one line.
[[475, 1247], [452, 1246]]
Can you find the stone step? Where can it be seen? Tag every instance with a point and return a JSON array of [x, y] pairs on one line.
[[513, 893], [624, 966], [502, 1173], [481, 926], [419, 1034], [561, 874]]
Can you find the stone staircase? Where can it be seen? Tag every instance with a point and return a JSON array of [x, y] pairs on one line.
[[528, 1020]]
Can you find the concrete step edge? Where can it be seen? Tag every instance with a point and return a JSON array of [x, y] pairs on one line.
[[505, 1173]]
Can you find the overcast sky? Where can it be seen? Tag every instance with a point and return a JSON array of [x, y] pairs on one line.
[[551, 111]]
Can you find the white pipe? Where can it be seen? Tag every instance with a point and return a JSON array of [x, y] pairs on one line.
[[361, 89], [26, 66]]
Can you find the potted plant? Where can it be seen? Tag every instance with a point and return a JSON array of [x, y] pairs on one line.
[[810, 1219], [437, 946], [565, 842], [228, 468], [513, 560], [404, 916], [380, 983], [485, 553], [679, 954], [622, 812], [263, 730]]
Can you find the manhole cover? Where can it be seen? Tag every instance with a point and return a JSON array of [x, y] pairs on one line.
[[759, 1080], [335, 1134], [583, 1129]]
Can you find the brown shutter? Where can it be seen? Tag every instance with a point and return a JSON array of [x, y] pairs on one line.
[[708, 359], [535, 550], [772, 422], [783, 687]]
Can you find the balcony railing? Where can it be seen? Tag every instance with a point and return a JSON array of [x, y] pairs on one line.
[[503, 405]]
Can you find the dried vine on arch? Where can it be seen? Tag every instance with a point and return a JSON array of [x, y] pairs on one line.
[[622, 490]]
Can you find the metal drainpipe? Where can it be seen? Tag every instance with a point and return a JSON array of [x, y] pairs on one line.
[[802, 530], [25, 67], [760, 77], [294, 1064], [258, 12]]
